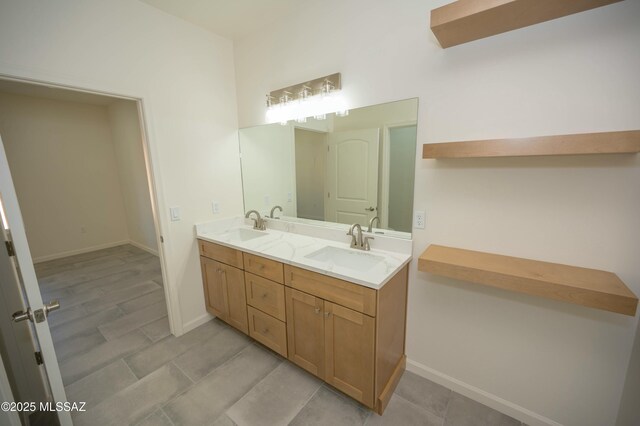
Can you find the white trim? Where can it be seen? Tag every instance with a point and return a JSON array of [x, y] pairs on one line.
[[62, 254], [195, 323], [143, 247], [483, 397], [6, 395]]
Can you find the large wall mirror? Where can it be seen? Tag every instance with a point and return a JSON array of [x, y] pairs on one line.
[[338, 170]]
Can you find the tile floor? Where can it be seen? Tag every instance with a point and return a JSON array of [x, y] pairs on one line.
[[116, 354]]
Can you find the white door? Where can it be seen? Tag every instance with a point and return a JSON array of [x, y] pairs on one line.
[[21, 291], [352, 176]]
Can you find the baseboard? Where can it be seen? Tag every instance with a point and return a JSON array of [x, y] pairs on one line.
[[195, 323], [79, 251], [486, 398], [143, 247]]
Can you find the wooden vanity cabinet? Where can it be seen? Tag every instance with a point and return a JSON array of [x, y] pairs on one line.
[[224, 287], [349, 335], [331, 334]]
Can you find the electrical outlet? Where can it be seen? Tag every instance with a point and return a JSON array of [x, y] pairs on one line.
[[215, 207], [289, 197], [267, 200], [83, 230], [419, 219]]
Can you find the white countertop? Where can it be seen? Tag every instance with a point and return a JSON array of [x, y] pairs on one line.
[[292, 248]]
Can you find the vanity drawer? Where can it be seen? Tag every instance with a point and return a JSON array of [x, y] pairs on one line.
[[268, 330], [266, 295], [220, 253], [266, 268], [354, 296]]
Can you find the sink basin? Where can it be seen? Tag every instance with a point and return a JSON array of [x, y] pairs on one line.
[[357, 261], [242, 234]]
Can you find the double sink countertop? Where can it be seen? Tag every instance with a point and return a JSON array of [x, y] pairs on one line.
[[323, 255]]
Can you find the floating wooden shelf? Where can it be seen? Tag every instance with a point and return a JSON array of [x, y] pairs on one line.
[[466, 20], [582, 286], [627, 142]]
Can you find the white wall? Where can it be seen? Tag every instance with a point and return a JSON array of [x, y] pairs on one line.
[[185, 77], [545, 359], [128, 147], [64, 169], [268, 169]]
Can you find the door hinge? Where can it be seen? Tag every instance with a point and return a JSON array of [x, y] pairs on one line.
[[39, 359], [161, 239], [11, 250]]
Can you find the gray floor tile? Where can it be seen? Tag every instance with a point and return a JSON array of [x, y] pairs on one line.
[[158, 418], [276, 399], [329, 408], [133, 321], [425, 393], [214, 394], [402, 412], [137, 401], [65, 314], [102, 384], [201, 359], [142, 301], [78, 366], [121, 295], [147, 360], [77, 344], [157, 329], [85, 325], [80, 298], [224, 420], [463, 411]]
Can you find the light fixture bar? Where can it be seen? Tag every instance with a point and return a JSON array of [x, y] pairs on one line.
[[314, 86]]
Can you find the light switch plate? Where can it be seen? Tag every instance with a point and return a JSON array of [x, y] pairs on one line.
[[215, 207], [419, 219], [174, 213]]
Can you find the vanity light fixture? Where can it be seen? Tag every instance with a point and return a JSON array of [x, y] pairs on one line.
[[315, 98]]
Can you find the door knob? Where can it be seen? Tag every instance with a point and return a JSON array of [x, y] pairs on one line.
[[370, 209], [22, 316], [39, 315]]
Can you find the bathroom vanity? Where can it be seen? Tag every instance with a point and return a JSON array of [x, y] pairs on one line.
[[338, 313]]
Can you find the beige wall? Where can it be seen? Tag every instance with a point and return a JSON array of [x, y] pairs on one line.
[[128, 146], [185, 77], [534, 358], [310, 152], [65, 172]]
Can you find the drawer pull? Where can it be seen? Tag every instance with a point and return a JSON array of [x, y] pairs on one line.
[[317, 310], [326, 314]]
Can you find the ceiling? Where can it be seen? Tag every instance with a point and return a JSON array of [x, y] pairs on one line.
[[55, 93], [232, 19]]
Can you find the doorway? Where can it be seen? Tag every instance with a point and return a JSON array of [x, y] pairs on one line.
[[87, 199]]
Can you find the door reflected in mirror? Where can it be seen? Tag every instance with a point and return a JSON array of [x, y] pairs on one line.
[[337, 171]]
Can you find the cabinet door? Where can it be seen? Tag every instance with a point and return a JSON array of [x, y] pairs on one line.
[[235, 296], [305, 331], [349, 346], [214, 288]]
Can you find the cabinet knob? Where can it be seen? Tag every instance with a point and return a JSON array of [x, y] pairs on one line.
[[317, 310], [326, 314]]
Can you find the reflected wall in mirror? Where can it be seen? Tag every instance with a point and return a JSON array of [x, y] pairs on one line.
[[338, 170]]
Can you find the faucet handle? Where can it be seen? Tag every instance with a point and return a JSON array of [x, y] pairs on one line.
[[366, 244]]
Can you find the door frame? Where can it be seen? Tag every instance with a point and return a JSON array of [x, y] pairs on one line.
[[383, 202], [154, 180]]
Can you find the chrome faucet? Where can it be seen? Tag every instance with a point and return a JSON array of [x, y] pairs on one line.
[[373, 219], [274, 209], [357, 242], [258, 223]]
